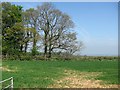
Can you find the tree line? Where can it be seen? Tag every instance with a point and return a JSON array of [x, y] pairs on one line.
[[45, 28]]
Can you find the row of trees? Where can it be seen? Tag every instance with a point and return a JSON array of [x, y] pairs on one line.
[[45, 28]]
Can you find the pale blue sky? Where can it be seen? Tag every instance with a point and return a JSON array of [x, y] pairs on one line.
[[96, 24]]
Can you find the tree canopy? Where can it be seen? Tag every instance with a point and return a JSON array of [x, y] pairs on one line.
[[45, 28]]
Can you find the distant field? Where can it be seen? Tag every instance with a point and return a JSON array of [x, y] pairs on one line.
[[42, 74]]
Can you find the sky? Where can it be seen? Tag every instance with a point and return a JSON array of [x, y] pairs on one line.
[[96, 24]]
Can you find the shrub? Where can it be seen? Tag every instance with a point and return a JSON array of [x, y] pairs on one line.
[[38, 57], [34, 51], [25, 57]]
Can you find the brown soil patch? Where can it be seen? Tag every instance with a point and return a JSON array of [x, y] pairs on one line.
[[75, 79], [6, 69]]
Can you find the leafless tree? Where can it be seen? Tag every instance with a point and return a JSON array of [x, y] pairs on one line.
[[56, 28]]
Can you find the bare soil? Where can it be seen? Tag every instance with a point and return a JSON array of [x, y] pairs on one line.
[[76, 79]]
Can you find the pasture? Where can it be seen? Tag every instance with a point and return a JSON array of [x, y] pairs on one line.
[[61, 74]]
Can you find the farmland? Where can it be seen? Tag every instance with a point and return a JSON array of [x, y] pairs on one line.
[[43, 74], [42, 45]]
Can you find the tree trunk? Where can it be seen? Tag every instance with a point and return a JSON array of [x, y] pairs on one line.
[[45, 49], [34, 44], [21, 48], [26, 45], [49, 56], [46, 40], [34, 37]]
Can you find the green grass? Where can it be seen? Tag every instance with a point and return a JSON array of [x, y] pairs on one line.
[[42, 73]]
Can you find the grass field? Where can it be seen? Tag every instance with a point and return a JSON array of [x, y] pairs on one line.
[[42, 74]]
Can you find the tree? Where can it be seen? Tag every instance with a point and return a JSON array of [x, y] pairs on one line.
[[55, 27], [30, 18], [46, 24], [11, 17], [43, 21], [13, 38], [18, 28]]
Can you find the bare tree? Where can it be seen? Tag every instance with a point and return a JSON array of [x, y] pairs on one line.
[[55, 26], [44, 23]]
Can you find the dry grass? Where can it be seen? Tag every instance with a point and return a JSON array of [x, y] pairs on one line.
[[75, 79], [6, 69]]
